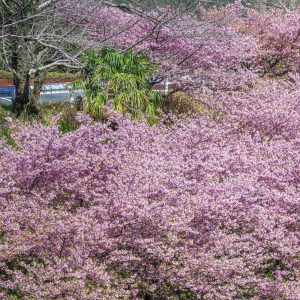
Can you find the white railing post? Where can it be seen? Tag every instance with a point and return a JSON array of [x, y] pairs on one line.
[[166, 87]]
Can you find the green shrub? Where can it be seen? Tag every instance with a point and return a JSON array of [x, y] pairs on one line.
[[4, 74], [181, 103], [67, 121], [60, 75], [122, 78], [5, 132]]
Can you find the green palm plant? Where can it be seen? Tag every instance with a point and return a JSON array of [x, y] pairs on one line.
[[122, 78]]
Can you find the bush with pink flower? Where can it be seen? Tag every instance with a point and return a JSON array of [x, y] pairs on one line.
[[192, 209]]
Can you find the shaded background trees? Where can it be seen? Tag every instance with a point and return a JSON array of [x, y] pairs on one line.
[[184, 38], [34, 38], [38, 36]]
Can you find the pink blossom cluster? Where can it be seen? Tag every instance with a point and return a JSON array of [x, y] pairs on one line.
[[185, 209], [271, 107], [190, 208], [278, 39]]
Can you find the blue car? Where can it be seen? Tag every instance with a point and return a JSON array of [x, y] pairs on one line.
[[7, 93]]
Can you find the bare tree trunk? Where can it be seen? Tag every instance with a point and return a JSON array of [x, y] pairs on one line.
[[37, 87], [24, 100], [22, 92]]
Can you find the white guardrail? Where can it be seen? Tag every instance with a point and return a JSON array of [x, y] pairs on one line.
[[5, 100], [50, 93], [61, 92]]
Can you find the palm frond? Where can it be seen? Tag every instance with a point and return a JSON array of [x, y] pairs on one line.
[[123, 76]]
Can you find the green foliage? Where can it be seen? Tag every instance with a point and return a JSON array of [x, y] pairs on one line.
[[272, 266], [12, 294], [122, 78], [5, 132], [179, 103], [15, 264], [67, 121], [60, 75], [4, 74]]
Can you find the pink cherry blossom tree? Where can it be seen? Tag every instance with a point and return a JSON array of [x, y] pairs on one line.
[[194, 210]]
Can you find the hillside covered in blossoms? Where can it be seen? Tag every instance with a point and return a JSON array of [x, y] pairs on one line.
[[129, 193]]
